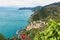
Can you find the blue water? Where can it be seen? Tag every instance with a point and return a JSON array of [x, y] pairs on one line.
[[12, 19]]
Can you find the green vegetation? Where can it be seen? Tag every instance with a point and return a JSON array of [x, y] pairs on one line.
[[46, 12], [52, 32], [32, 33], [2, 37]]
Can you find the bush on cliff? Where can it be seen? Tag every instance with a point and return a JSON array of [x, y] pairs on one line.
[[52, 32], [32, 33]]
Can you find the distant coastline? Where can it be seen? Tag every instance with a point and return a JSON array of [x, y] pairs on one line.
[[30, 8]]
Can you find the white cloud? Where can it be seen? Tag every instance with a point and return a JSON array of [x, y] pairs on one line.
[[23, 3]]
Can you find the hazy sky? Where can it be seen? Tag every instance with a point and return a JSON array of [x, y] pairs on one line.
[[26, 3]]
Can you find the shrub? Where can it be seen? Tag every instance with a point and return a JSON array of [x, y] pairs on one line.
[[52, 32], [2, 37]]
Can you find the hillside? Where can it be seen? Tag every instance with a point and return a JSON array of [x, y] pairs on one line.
[[44, 24], [42, 16], [46, 12]]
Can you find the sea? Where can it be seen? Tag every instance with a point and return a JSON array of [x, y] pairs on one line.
[[13, 19]]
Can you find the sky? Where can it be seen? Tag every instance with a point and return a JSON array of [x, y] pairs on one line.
[[26, 3]]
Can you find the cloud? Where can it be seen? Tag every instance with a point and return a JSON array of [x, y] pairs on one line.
[[24, 3]]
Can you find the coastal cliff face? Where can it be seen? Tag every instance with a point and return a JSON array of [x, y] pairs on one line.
[[46, 13], [39, 20]]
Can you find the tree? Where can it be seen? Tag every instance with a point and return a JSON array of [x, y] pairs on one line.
[[2, 37]]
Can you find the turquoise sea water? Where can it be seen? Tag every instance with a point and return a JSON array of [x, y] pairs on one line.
[[12, 19]]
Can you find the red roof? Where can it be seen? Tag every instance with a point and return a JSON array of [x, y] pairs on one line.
[[24, 36]]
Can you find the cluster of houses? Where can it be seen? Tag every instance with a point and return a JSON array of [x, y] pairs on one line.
[[35, 24]]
